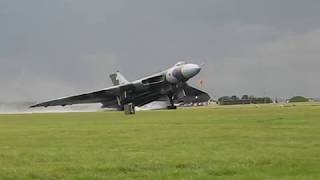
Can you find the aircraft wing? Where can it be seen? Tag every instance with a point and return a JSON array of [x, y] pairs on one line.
[[194, 95], [106, 95]]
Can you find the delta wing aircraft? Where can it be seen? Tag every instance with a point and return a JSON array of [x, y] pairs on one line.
[[169, 85]]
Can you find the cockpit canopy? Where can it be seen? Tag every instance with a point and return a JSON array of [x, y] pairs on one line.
[[180, 63]]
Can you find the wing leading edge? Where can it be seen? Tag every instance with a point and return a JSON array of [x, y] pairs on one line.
[[93, 97]]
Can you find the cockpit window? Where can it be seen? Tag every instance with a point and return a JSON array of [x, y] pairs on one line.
[[180, 63]]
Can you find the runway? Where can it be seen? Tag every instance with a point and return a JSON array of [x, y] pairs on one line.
[[24, 109]]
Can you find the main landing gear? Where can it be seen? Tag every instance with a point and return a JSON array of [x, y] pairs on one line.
[[129, 109], [172, 106]]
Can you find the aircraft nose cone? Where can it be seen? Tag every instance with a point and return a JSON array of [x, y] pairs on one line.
[[190, 70]]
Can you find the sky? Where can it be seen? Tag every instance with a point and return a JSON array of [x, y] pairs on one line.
[[51, 49]]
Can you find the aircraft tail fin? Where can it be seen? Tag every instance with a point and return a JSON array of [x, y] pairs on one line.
[[118, 79]]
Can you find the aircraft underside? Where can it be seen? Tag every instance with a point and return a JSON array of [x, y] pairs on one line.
[[170, 86]]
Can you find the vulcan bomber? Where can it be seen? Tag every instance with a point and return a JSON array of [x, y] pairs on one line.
[[169, 85]]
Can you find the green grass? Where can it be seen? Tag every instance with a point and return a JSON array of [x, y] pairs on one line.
[[227, 142]]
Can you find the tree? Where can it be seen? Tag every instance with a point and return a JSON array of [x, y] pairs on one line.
[[234, 98], [298, 99], [223, 100], [245, 97]]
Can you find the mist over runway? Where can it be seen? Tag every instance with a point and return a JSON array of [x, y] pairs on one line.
[[23, 108], [16, 108]]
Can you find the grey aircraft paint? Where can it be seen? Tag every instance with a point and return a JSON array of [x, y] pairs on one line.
[[170, 85]]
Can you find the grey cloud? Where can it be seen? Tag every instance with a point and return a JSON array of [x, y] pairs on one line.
[[55, 48], [283, 67]]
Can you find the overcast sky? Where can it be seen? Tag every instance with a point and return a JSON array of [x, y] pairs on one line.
[[58, 48]]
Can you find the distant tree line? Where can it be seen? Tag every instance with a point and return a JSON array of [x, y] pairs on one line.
[[245, 99], [298, 99]]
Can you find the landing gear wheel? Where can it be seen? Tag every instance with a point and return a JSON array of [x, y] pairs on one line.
[[129, 109], [172, 107]]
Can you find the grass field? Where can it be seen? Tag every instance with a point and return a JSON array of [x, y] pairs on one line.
[[234, 142]]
